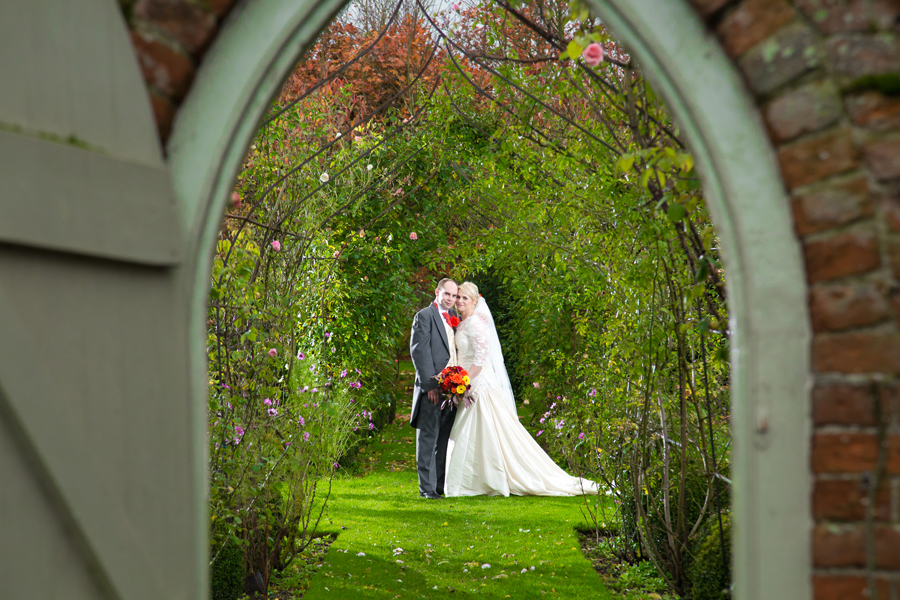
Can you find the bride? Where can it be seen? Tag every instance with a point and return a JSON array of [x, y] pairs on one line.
[[490, 452]]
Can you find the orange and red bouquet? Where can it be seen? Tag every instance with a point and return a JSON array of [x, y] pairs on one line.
[[455, 382]]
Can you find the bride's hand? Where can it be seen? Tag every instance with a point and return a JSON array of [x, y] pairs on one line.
[[474, 370]]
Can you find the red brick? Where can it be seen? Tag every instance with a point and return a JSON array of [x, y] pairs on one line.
[[856, 353], [836, 16], [844, 404], [890, 208], [846, 500], [805, 110], [847, 587], [874, 111], [187, 22], [858, 55], [843, 254], [751, 22], [221, 7], [165, 69], [883, 158], [707, 8], [785, 55], [887, 547], [890, 403], [839, 546], [893, 249], [838, 307], [852, 452], [832, 205], [164, 113], [813, 159]]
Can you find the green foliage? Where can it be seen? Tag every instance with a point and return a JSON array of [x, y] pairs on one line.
[[227, 571], [576, 209], [708, 578]]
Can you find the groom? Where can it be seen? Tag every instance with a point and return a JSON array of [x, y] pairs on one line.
[[432, 347]]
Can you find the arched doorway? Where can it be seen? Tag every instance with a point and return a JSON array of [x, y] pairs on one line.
[[124, 318], [770, 357]]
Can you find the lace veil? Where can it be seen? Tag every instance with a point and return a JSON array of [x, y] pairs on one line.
[[495, 355]]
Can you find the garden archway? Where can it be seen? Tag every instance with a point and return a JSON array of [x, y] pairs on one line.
[[260, 44], [105, 241]]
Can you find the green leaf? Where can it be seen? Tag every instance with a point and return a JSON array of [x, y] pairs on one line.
[[625, 162], [676, 212], [574, 50]]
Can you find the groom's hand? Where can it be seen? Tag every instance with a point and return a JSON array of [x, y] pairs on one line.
[[434, 396]]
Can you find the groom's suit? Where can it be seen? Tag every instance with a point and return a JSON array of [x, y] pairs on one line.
[[430, 350]]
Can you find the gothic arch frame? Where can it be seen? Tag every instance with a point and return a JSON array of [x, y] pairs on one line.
[[767, 287]]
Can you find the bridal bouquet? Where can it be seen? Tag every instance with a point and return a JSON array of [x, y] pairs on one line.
[[455, 381]]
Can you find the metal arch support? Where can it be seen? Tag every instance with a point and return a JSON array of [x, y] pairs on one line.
[[771, 376]]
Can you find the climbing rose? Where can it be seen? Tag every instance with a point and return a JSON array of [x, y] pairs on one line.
[[276, 245], [456, 7], [536, 384], [235, 200], [593, 54], [413, 236], [324, 178], [273, 352]]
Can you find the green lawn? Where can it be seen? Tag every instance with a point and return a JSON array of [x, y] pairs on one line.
[[393, 544]]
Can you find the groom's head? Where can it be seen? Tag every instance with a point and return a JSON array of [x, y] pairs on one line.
[[445, 294]]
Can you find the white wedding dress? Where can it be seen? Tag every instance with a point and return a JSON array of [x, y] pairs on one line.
[[490, 452]]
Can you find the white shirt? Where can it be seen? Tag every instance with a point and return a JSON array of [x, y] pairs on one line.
[[451, 340]]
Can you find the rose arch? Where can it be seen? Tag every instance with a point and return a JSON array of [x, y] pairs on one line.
[[110, 220]]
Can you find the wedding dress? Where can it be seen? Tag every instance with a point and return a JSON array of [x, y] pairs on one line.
[[490, 452]]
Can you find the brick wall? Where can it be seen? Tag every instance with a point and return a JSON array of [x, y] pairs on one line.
[[170, 37], [823, 72], [826, 77]]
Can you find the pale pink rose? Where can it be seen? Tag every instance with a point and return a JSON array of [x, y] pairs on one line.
[[276, 245], [273, 352], [235, 200], [536, 384], [413, 236], [593, 54], [456, 7]]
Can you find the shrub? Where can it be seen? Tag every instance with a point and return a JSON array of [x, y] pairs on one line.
[[708, 581], [227, 570]]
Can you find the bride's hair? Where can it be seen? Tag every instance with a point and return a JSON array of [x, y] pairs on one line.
[[469, 289]]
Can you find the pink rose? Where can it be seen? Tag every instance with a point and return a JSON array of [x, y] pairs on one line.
[[536, 384], [273, 352], [235, 200], [413, 236], [276, 245], [593, 54], [456, 7]]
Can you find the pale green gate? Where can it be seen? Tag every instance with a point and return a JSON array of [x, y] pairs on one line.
[[105, 250]]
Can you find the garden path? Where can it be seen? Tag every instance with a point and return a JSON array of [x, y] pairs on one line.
[[393, 544]]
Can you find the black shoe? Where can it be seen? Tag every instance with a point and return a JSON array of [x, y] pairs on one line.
[[430, 495]]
